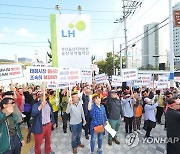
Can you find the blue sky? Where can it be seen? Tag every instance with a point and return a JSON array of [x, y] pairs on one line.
[[32, 27]]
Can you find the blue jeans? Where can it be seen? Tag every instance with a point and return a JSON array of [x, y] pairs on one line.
[[93, 139], [15, 146], [76, 135]]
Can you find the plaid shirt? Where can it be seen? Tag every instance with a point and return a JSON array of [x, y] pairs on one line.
[[98, 116]]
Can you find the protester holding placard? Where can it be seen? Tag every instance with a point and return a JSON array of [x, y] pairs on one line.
[[64, 103], [128, 108], [114, 112], [149, 116], [55, 105], [76, 118], [160, 107], [11, 137], [85, 99], [137, 112], [99, 119], [41, 125]]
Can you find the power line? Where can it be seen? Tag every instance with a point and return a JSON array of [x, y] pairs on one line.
[[45, 8], [48, 20], [149, 29], [147, 35], [29, 15], [151, 33], [22, 45]]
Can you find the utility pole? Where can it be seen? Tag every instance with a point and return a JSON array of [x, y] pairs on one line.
[[121, 60], [129, 8], [171, 52], [114, 71], [125, 34]]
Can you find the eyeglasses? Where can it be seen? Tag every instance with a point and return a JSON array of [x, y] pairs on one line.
[[168, 96], [11, 103]]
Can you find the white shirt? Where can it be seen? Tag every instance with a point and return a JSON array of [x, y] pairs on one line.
[[127, 105], [149, 113]]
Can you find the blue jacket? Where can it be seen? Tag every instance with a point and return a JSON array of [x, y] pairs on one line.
[[37, 118]]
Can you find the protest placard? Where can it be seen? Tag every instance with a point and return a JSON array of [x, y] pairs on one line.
[[86, 76], [163, 82], [38, 74], [101, 78], [129, 74], [143, 80], [10, 72], [116, 81]]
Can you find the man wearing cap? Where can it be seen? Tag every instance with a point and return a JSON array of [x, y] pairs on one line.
[[172, 117], [43, 119], [10, 134], [114, 112], [128, 110], [76, 116]]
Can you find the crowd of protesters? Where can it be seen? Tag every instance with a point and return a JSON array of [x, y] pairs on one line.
[[88, 107]]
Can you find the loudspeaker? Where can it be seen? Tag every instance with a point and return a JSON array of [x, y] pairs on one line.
[[161, 66]]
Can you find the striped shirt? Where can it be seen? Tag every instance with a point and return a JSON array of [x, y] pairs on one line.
[[46, 112]]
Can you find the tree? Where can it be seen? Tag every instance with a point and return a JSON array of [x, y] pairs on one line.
[[106, 66]]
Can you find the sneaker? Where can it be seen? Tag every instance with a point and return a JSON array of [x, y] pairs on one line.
[[87, 137], [109, 142], [52, 152], [74, 150], [65, 131], [80, 146], [28, 139], [99, 151], [116, 140], [139, 132]]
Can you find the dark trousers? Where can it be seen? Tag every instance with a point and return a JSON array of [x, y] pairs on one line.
[[65, 118], [15, 146], [87, 126], [128, 124], [148, 131], [136, 123], [159, 114], [27, 118], [56, 118]]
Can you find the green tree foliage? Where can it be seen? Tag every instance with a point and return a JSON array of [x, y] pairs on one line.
[[106, 66]]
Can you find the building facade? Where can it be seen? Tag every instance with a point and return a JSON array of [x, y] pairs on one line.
[[176, 41], [150, 45]]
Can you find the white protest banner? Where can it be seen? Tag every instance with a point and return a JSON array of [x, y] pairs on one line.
[[86, 76], [101, 78], [129, 74], [86, 73], [72, 33], [143, 80], [38, 74], [10, 72], [68, 78], [65, 84], [69, 75], [163, 82], [52, 85], [116, 81]]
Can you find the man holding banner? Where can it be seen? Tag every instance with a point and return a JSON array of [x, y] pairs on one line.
[[76, 115], [41, 125]]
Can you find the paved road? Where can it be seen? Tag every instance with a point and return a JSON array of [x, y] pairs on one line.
[[61, 143]]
